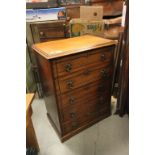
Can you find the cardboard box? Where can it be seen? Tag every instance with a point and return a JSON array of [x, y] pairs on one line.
[[34, 15], [91, 12], [80, 27]]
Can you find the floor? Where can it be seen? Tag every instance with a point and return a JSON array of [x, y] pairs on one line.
[[108, 137]]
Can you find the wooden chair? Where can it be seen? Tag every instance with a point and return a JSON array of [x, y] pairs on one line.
[[31, 140]]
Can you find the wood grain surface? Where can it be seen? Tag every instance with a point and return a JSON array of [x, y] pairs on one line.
[[60, 48]]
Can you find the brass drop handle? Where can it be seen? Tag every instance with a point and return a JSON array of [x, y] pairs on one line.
[[68, 67], [103, 73], [70, 84], [103, 57], [71, 100]]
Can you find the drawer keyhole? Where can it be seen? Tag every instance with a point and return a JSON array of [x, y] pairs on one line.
[[71, 100], [103, 57]]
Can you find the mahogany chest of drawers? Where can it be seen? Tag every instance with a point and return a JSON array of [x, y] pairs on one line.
[[76, 75]]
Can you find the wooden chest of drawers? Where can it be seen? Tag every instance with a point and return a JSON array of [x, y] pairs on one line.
[[76, 75]]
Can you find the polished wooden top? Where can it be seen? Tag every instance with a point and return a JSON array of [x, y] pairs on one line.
[[59, 48], [29, 99]]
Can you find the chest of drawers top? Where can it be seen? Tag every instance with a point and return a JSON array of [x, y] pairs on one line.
[[64, 47]]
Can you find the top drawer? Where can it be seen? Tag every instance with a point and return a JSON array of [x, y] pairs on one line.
[[48, 31], [71, 64], [52, 31]]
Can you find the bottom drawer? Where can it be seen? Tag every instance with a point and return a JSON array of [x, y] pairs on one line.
[[87, 108], [83, 121]]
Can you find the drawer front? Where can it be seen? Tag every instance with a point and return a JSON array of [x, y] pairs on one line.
[[68, 65], [87, 76], [48, 31], [110, 8], [73, 12], [51, 25], [84, 120], [54, 32], [87, 108], [48, 39], [89, 91]]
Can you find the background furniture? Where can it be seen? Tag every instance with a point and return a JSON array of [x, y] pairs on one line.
[[110, 7], [31, 140], [40, 32], [122, 69], [48, 4], [76, 79], [30, 80]]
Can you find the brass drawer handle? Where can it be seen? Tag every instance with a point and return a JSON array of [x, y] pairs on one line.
[[104, 73], [68, 67], [70, 84], [71, 100]]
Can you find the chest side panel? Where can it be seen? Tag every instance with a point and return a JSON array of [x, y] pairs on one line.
[[47, 81]]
